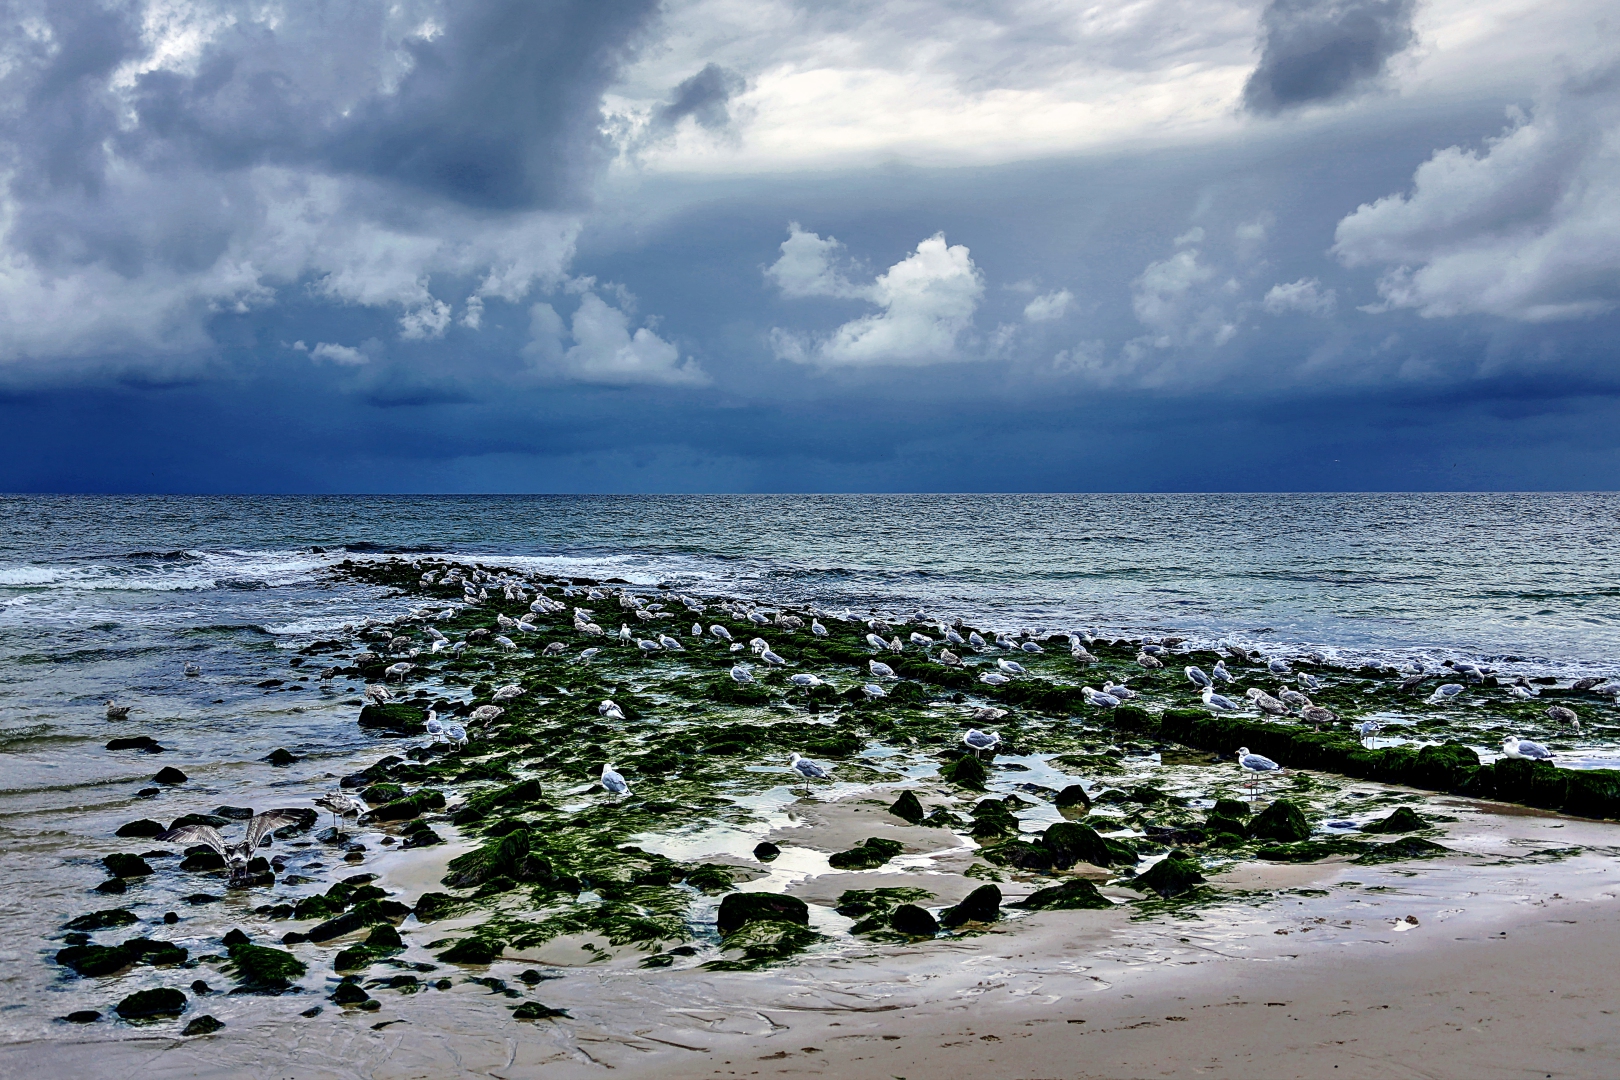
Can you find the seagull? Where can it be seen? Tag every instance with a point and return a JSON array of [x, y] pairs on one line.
[[697, 629], [817, 629], [1266, 703], [977, 740], [379, 694], [771, 657], [649, 647], [1148, 660], [434, 727], [805, 679], [921, 639], [720, 632], [1311, 681], [975, 639], [1031, 647], [1197, 677], [956, 639], [614, 783], [1445, 692], [1254, 765], [1219, 672], [588, 653], [116, 711], [611, 710], [342, 806], [1317, 715], [1011, 667], [758, 645], [192, 671], [1368, 730], [759, 618], [400, 670], [456, 733], [873, 690], [987, 714], [238, 855], [1279, 667], [1523, 693], [1524, 748], [741, 673], [1118, 690], [1101, 701], [507, 692], [1292, 697], [994, 678], [880, 669], [809, 770], [948, 658], [1558, 714], [1215, 701]]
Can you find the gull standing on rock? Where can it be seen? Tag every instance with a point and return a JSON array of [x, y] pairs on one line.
[[1197, 677], [1218, 702], [612, 782], [1524, 748], [1011, 667], [979, 741], [742, 674], [880, 669]]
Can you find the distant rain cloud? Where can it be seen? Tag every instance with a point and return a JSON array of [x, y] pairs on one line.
[[1320, 50]]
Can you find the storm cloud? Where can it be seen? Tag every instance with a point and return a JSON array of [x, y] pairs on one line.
[[1317, 51]]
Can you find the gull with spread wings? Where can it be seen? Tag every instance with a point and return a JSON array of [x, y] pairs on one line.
[[236, 855]]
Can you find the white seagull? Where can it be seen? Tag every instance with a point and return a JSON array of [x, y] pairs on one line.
[[1524, 748], [809, 770], [614, 783]]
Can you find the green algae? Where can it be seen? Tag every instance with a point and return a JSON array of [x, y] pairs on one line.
[[263, 970]]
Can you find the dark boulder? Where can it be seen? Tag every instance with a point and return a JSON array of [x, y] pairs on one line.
[[966, 771], [1075, 894], [738, 909], [907, 807], [873, 852], [202, 1025], [1171, 876], [1282, 821], [981, 905], [280, 757], [144, 829], [1403, 820], [123, 865], [1070, 842], [169, 775], [396, 718], [103, 920], [94, 960], [765, 851], [143, 743], [160, 1003], [1074, 800], [472, 950], [913, 921]]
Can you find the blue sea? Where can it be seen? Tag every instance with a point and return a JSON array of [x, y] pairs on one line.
[[109, 597]]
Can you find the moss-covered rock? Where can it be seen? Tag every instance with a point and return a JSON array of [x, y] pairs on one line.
[[1173, 875], [1072, 801], [472, 950], [533, 1010], [435, 905], [203, 1025], [1403, 820], [395, 718], [966, 771], [1283, 821], [413, 805], [105, 919], [738, 909], [1070, 842], [1074, 894], [349, 992], [94, 960], [872, 852], [992, 818], [143, 829], [262, 970]]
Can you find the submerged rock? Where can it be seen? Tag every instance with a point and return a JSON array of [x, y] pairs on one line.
[[143, 743], [169, 775], [1073, 801], [262, 970], [105, 919], [144, 829], [126, 865], [280, 757], [202, 1025], [533, 1010]]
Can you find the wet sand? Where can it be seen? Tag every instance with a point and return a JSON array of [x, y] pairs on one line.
[[1497, 963]]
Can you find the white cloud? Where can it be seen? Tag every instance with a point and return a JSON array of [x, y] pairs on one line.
[[928, 300], [605, 351], [1052, 305], [1305, 295], [1528, 228], [806, 267], [346, 355]]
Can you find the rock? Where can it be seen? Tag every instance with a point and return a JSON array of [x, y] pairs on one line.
[[377, 794], [201, 857], [1069, 843], [202, 1025], [143, 828], [162, 1002], [966, 771], [907, 807], [169, 775], [93, 961], [143, 743], [981, 905], [125, 865], [411, 806], [765, 851], [913, 921], [870, 853], [738, 909], [234, 813], [171, 917], [533, 1010], [992, 818], [1227, 816], [1072, 895], [472, 950], [201, 989], [103, 920], [348, 992], [1403, 820], [434, 905], [112, 887], [235, 936], [395, 718], [280, 757], [156, 953], [1072, 797], [1283, 821], [261, 970], [1171, 876], [384, 939], [82, 1016]]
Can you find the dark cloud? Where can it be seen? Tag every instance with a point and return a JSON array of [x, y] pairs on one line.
[[1318, 50], [704, 97]]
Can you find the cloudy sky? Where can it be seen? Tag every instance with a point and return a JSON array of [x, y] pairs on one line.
[[772, 245]]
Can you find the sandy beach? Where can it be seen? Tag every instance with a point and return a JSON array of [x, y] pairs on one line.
[[1489, 964]]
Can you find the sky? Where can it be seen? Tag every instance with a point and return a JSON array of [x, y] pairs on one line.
[[847, 245]]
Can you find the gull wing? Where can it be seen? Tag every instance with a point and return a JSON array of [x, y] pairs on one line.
[[262, 825], [197, 834]]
